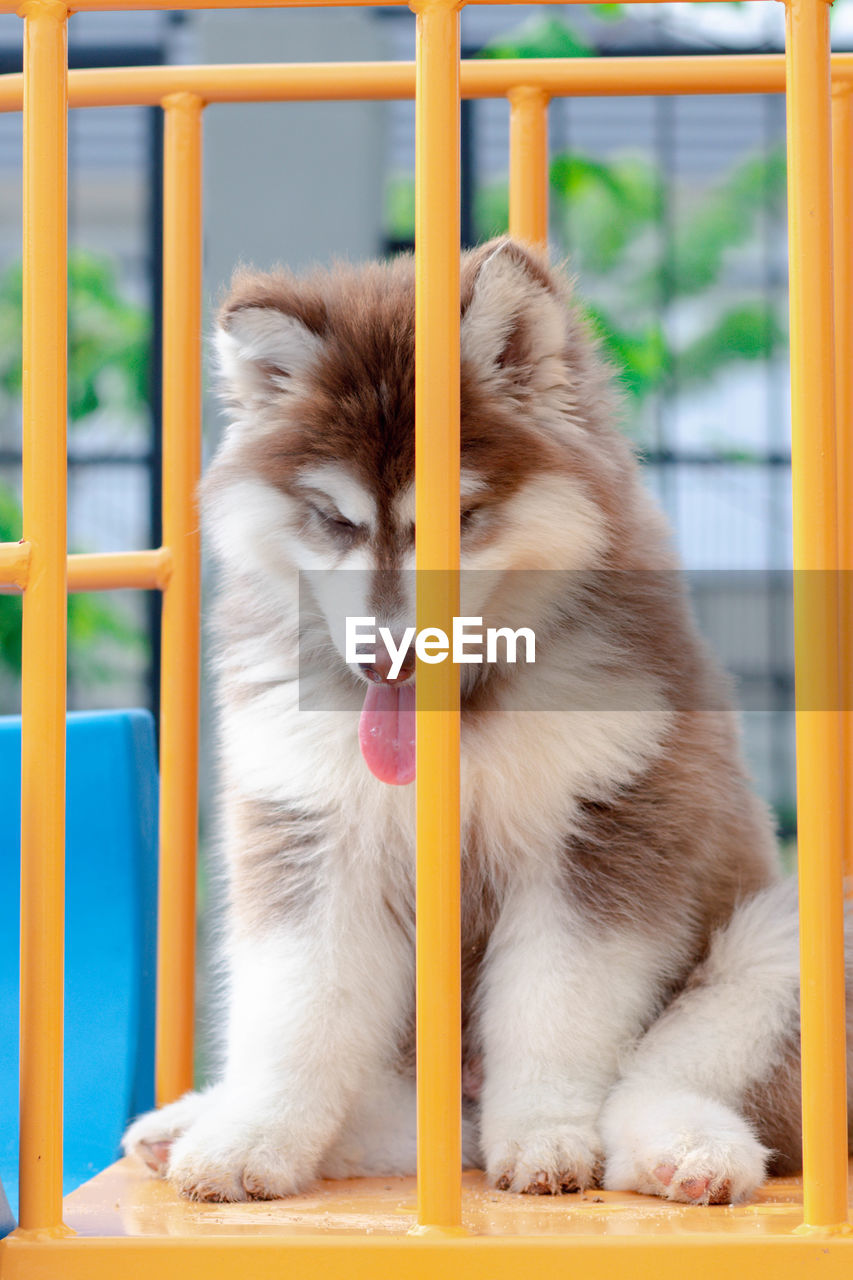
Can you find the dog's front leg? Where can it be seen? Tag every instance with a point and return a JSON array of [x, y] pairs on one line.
[[316, 1007], [560, 997]]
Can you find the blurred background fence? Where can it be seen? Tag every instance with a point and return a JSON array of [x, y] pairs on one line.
[[671, 211]]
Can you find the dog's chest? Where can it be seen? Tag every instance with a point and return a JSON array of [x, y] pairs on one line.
[[522, 775]]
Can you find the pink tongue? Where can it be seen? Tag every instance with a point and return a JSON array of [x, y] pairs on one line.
[[386, 732]]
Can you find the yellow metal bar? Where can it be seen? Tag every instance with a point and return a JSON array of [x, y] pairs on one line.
[[134, 6], [179, 693], [816, 615], [109, 571], [341, 1256], [100, 6], [99, 571], [528, 165], [437, 563], [14, 565], [842, 222], [44, 626], [348, 81], [243, 82]]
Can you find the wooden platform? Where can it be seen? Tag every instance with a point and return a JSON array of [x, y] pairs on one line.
[[125, 1200]]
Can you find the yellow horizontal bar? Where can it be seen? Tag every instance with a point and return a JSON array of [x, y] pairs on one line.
[[352, 81], [134, 6], [116, 569], [346, 1257], [107, 571], [14, 564], [114, 6]]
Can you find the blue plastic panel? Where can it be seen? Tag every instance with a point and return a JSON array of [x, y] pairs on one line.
[[111, 891]]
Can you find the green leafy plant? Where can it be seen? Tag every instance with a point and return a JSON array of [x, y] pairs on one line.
[[539, 37], [108, 339], [108, 349], [727, 218], [10, 605], [610, 213], [93, 625]]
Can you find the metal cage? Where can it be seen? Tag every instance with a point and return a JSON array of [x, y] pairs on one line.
[[615, 1243]]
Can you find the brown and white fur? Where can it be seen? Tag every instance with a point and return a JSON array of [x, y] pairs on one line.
[[629, 952]]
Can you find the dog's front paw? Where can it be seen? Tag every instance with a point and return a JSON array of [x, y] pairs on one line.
[[232, 1157], [545, 1160], [683, 1147], [151, 1136]]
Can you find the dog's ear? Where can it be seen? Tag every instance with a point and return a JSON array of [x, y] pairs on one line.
[[514, 316], [267, 337]]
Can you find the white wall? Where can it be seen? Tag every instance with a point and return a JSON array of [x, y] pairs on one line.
[[294, 183]]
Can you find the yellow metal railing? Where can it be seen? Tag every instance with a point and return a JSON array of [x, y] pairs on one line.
[[842, 215], [179, 690], [44, 621], [439, 1036], [815, 521], [41, 568]]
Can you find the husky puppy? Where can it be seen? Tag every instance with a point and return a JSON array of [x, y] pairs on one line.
[[629, 952]]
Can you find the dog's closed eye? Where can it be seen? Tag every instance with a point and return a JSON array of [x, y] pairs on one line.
[[333, 522]]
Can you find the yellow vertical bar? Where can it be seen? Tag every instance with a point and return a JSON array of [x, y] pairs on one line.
[[44, 628], [528, 165], [816, 614], [842, 222], [437, 562], [179, 693]]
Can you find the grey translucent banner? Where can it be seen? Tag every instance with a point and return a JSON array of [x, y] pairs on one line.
[[605, 640]]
